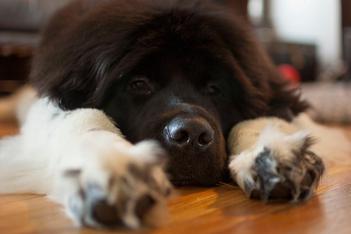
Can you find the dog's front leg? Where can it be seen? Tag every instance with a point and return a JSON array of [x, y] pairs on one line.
[[86, 165], [271, 160]]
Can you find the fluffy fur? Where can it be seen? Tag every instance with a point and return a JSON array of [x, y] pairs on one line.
[[193, 60], [150, 68], [81, 160], [270, 154]]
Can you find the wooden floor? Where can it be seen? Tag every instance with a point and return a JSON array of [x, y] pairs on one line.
[[222, 209]]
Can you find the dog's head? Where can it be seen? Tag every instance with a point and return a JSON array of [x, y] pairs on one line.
[[181, 98], [183, 74]]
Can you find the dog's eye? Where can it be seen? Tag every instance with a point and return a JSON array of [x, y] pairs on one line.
[[212, 89], [140, 86]]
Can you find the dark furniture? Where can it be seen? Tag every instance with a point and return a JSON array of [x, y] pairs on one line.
[[20, 23]]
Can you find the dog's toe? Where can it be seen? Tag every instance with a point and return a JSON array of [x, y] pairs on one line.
[[105, 214], [293, 180], [278, 173], [128, 194]]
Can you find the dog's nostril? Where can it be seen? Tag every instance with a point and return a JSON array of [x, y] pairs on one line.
[[181, 136], [205, 139], [186, 133]]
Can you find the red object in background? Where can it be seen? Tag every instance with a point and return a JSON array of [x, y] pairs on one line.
[[290, 73]]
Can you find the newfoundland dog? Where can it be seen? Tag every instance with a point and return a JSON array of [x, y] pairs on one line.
[[132, 90]]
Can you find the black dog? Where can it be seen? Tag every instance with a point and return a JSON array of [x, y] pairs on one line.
[[180, 72], [183, 73]]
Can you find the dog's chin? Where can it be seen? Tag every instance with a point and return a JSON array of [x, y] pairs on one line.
[[183, 182], [189, 181], [189, 167], [194, 142], [196, 170]]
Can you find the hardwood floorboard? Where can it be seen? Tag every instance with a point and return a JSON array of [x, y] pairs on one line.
[[223, 209]]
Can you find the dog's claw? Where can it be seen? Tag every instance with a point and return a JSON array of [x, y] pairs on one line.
[[272, 176], [267, 174], [127, 196]]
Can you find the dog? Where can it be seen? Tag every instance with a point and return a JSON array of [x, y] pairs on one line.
[[135, 96]]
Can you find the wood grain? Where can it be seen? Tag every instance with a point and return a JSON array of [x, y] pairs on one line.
[[222, 209]]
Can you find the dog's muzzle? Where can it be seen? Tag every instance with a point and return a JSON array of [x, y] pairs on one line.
[[196, 148]]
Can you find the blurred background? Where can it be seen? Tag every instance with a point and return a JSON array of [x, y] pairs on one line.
[[308, 40]]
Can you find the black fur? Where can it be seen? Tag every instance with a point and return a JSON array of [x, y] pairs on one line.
[[145, 62]]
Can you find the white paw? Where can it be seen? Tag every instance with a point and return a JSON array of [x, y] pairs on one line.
[[125, 187], [278, 167]]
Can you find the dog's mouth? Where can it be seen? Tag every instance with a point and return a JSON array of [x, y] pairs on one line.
[[206, 181], [194, 142], [187, 172], [180, 183], [196, 151]]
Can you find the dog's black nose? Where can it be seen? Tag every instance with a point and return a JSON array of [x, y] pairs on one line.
[[192, 131]]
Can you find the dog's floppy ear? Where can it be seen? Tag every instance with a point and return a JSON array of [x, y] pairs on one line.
[[271, 94], [80, 46], [65, 67]]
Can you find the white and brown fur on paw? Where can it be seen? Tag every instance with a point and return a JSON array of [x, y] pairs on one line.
[[127, 187], [277, 163]]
